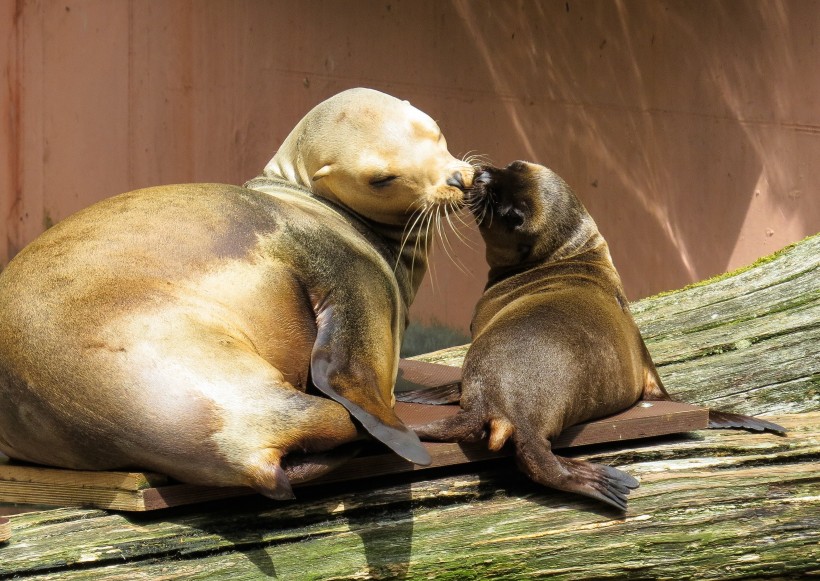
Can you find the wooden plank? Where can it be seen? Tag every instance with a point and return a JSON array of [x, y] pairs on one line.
[[115, 480], [127, 491], [644, 420], [130, 501], [5, 529], [414, 374]]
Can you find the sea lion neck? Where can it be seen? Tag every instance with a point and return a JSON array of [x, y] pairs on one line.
[[406, 251], [288, 166], [406, 254], [409, 248], [587, 246]]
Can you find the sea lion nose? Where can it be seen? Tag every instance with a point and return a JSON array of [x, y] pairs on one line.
[[456, 180], [482, 178]]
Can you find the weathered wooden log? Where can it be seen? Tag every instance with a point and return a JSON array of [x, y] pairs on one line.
[[716, 504]]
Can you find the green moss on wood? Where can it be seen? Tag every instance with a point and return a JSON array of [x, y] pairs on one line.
[[726, 275]]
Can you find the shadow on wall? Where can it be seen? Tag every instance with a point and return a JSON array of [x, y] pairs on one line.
[[676, 123]]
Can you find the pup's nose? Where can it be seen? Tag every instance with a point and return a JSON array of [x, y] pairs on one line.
[[482, 178], [456, 180]]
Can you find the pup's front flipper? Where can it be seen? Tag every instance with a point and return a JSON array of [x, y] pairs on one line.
[[603, 483], [719, 419]]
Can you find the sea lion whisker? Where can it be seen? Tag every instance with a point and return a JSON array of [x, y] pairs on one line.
[[445, 241], [423, 237], [489, 205], [457, 230], [442, 235], [459, 215], [420, 221], [476, 159], [406, 233], [430, 215], [484, 208]]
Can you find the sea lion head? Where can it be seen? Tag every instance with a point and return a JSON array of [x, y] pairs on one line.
[[374, 154], [528, 215]]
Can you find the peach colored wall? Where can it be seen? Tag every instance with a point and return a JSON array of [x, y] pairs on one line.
[[690, 129]]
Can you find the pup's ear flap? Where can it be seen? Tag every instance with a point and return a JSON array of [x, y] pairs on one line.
[[322, 172]]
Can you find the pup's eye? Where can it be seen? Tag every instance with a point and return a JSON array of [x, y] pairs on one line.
[[381, 182]]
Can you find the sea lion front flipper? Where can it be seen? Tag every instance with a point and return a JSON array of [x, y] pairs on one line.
[[378, 419], [718, 419], [603, 483], [343, 370]]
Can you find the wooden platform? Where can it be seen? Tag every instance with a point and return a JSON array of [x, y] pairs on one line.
[[5, 529], [142, 491]]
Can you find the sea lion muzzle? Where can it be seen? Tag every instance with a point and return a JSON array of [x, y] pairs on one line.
[[489, 198], [457, 181]]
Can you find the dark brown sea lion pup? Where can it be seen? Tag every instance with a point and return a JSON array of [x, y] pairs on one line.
[[554, 342], [183, 329]]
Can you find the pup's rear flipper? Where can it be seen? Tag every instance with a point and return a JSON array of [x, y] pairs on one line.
[[729, 420], [603, 483]]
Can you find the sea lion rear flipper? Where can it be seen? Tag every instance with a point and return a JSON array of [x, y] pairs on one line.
[[718, 419], [603, 483]]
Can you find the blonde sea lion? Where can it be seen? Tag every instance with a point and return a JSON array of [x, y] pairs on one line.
[[554, 343], [225, 335]]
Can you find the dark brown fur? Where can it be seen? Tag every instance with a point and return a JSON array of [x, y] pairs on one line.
[[554, 343]]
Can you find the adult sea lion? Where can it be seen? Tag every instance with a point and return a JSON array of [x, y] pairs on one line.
[[183, 329], [554, 342]]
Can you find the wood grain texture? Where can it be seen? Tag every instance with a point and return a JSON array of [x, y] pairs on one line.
[[137, 492], [5, 529], [717, 504]]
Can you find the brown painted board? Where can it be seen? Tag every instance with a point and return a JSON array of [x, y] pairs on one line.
[[5, 529], [139, 491], [420, 374]]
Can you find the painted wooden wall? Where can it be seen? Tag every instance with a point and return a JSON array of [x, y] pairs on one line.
[[690, 129]]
